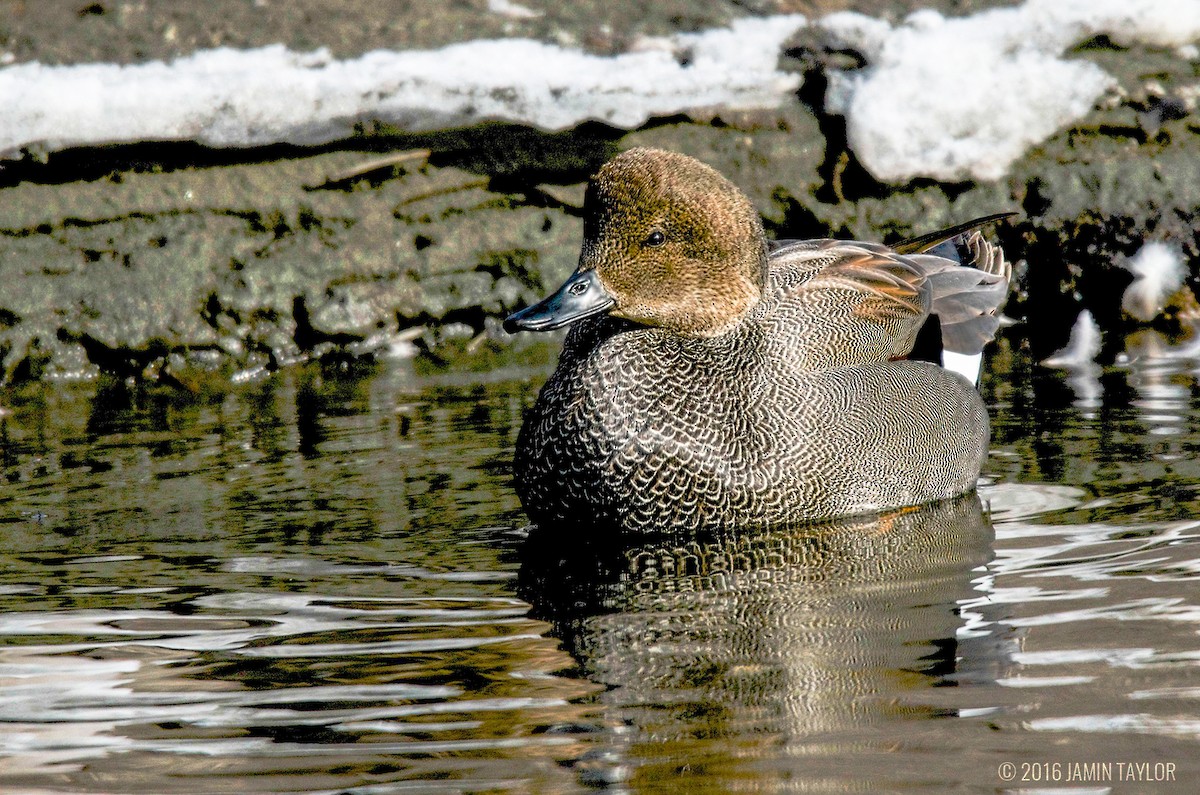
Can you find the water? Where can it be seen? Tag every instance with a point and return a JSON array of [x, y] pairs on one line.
[[322, 582]]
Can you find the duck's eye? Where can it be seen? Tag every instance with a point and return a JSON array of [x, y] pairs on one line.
[[656, 238]]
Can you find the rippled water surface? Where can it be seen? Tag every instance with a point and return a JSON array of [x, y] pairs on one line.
[[322, 582]]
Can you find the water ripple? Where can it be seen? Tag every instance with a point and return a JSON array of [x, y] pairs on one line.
[[317, 583]]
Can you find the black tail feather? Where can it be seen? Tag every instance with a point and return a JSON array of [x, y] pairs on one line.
[[918, 245]]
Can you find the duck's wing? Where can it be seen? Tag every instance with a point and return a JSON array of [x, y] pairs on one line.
[[841, 302], [837, 302]]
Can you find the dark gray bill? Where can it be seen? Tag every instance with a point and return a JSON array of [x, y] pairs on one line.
[[581, 296]]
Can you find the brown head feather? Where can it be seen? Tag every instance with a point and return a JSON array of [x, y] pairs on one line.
[[675, 243]]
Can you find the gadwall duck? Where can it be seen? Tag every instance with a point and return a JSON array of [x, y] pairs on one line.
[[714, 379]]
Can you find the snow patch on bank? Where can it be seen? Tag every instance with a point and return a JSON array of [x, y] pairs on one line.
[[952, 99], [1158, 271], [228, 97], [1082, 346], [964, 98]]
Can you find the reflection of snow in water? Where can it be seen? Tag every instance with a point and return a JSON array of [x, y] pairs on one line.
[[1159, 373], [1011, 501], [1061, 572], [1156, 367], [66, 705], [1162, 401]]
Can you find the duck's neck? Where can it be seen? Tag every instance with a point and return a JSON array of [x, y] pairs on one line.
[[739, 292], [719, 306]]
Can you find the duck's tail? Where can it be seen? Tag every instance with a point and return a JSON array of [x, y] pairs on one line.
[[970, 278], [927, 242]]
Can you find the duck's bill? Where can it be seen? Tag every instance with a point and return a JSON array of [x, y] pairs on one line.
[[581, 296]]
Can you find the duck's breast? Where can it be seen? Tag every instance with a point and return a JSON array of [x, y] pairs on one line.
[[639, 421]]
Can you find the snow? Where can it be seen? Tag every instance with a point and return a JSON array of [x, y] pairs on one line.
[[1082, 346], [963, 98], [946, 98], [1158, 270], [226, 97], [512, 10]]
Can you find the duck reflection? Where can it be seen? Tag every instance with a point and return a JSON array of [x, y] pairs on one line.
[[741, 648]]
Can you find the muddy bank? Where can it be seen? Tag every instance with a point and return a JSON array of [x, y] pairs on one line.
[[179, 260]]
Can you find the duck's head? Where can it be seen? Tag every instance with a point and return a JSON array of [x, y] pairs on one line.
[[667, 242]]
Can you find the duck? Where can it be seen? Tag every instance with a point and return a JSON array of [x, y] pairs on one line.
[[711, 378]]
